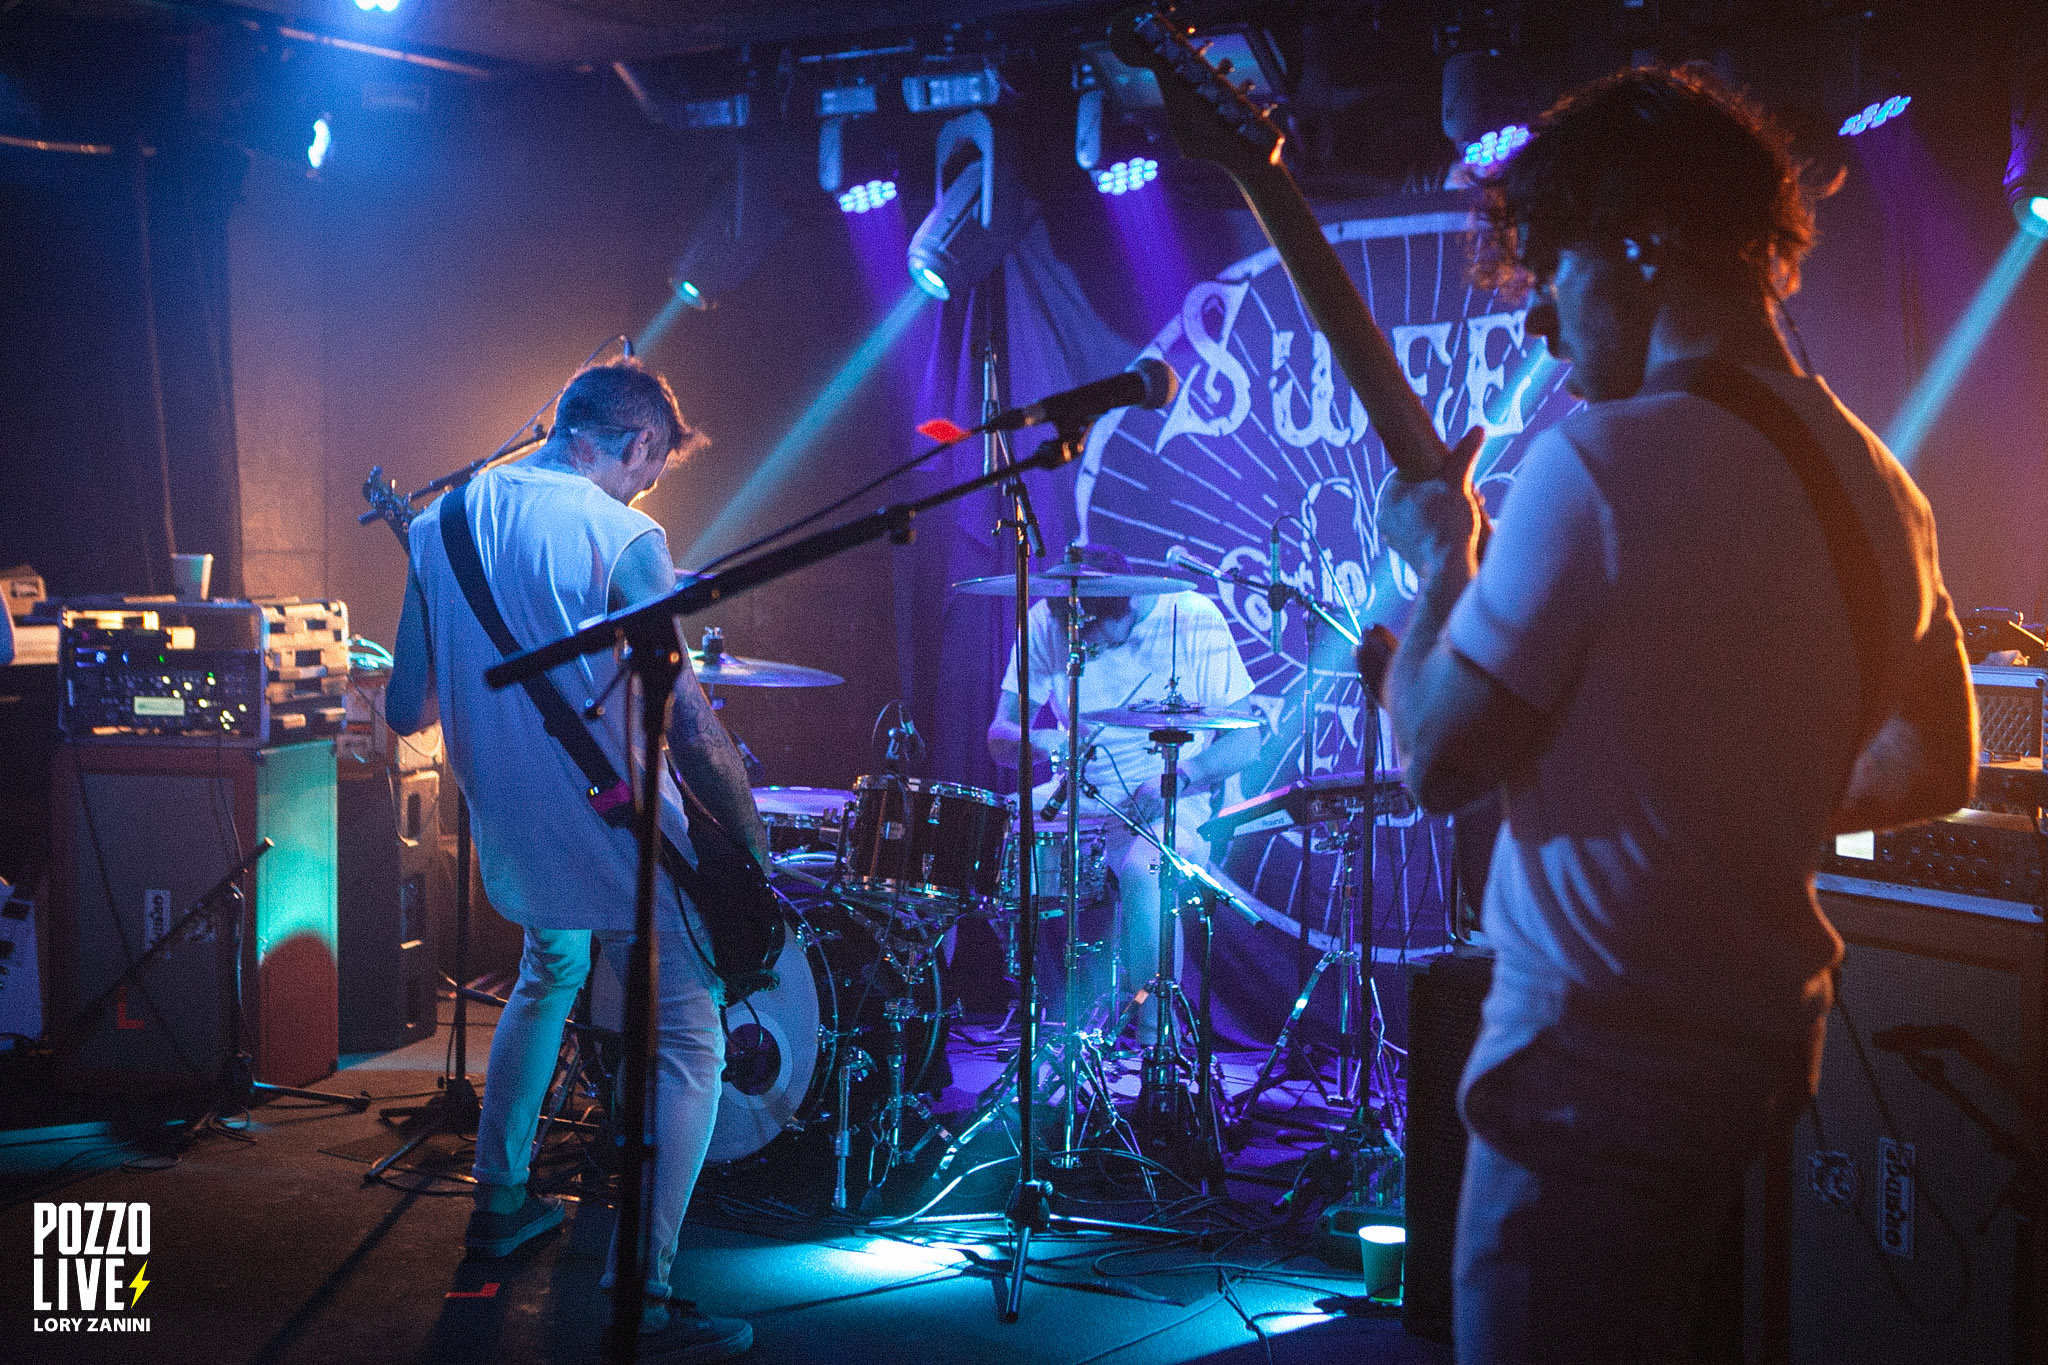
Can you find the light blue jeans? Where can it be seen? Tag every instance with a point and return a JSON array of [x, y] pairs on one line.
[[686, 1075]]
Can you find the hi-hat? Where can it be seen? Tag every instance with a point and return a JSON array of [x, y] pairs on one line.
[[1054, 582], [1167, 716], [730, 670]]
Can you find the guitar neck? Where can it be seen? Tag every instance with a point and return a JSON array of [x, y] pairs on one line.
[[1332, 300]]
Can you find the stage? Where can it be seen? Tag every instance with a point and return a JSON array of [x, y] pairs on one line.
[[268, 1246]]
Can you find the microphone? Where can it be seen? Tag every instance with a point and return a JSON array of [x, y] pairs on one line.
[[1375, 655], [1151, 383], [1276, 591], [1065, 788], [1179, 557]]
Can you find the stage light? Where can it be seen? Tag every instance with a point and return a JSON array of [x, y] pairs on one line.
[[872, 195], [1494, 148], [952, 85], [1124, 176], [847, 101], [323, 140], [729, 111], [690, 294], [388, 6], [1874, 115], [980, 213]]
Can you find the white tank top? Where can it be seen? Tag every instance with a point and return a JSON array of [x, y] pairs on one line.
[[549, 542]]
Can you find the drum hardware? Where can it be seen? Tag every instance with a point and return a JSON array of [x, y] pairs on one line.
[[716, 668], [855, 1068]]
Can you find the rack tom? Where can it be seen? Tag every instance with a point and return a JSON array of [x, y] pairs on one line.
[[915, 839]]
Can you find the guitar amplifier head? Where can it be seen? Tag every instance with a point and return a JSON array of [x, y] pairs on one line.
[[2011, 715]]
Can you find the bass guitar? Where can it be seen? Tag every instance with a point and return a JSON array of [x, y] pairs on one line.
[[1214, 120]]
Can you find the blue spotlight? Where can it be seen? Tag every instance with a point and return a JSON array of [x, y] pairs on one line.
[[1874, 116], [871, 195], [1121, 177], [2036, 220], [1929, 396], [323, 139], [1496, 147], [388, 6], [931, 282], [782, 462]]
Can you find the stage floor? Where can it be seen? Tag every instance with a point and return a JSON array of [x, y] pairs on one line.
[[268, 1246]]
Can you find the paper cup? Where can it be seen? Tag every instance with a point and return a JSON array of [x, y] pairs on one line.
[[190, 576]]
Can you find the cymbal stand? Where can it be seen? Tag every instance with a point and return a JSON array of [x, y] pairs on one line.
[[1163, 1121], [1343, 952]]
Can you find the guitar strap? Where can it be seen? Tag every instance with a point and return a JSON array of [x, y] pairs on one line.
[[1742, 394], [611, 796]]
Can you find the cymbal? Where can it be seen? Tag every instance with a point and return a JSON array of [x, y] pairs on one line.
[[1093, 583], [1161, 716], [730, 670]]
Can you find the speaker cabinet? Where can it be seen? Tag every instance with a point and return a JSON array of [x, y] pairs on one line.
[[1444, 996], [140, 833], [387, 839], [1902, 1227]]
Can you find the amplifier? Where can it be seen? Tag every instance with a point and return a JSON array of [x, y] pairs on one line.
[[240, 673], [2011, 715], [1985, 861]]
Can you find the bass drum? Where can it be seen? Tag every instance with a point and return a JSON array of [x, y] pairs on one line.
[[784, 1046]]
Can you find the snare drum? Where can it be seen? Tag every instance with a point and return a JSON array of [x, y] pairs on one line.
[[1049, 868], [930, 840], [802, 819]]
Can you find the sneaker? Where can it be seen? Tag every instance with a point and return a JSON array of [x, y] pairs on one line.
[[678, 1333], [500, 1234]]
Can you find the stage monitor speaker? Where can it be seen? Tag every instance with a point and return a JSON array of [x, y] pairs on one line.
[[141, 833], [1903, 1226], [1444, 995], [387, 835]]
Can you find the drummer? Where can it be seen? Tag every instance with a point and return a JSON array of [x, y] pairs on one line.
[[1134, 646]]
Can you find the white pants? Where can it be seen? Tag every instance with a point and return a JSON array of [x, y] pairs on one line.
[[686, 1074]]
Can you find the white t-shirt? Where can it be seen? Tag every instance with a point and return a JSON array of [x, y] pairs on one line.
[[1659, 586], [1184, 634], [549, 542]]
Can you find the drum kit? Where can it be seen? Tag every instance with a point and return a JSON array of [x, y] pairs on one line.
[[875, 878]]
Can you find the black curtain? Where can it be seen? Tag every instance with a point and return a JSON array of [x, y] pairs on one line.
[[115, 384]]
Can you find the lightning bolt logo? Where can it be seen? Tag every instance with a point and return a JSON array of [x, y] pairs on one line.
[[138, 1284]]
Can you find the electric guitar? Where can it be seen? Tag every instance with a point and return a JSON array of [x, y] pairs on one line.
[[1216, 121]]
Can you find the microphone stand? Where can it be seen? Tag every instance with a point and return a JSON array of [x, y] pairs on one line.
[[655, 662]]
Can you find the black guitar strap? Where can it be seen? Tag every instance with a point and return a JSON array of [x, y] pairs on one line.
[[1734, 389], [610, 795]]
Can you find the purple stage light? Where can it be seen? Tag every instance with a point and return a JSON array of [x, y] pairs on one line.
[[1496, 147], [1874, 115], [1121, 177], [870, 195]]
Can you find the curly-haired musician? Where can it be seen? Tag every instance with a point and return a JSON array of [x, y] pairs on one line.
[[1707, 633]]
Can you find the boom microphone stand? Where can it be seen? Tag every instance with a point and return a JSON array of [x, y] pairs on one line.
[[650, 626]]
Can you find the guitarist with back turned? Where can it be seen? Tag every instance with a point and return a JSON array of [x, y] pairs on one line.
[[544, 545], [1708, 632]]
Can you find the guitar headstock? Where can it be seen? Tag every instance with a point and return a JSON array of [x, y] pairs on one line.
[[381, 492], [1211, 118]]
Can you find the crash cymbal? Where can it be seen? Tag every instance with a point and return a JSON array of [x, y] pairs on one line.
[[1161, 715], [730, 670], [1053, 583]]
